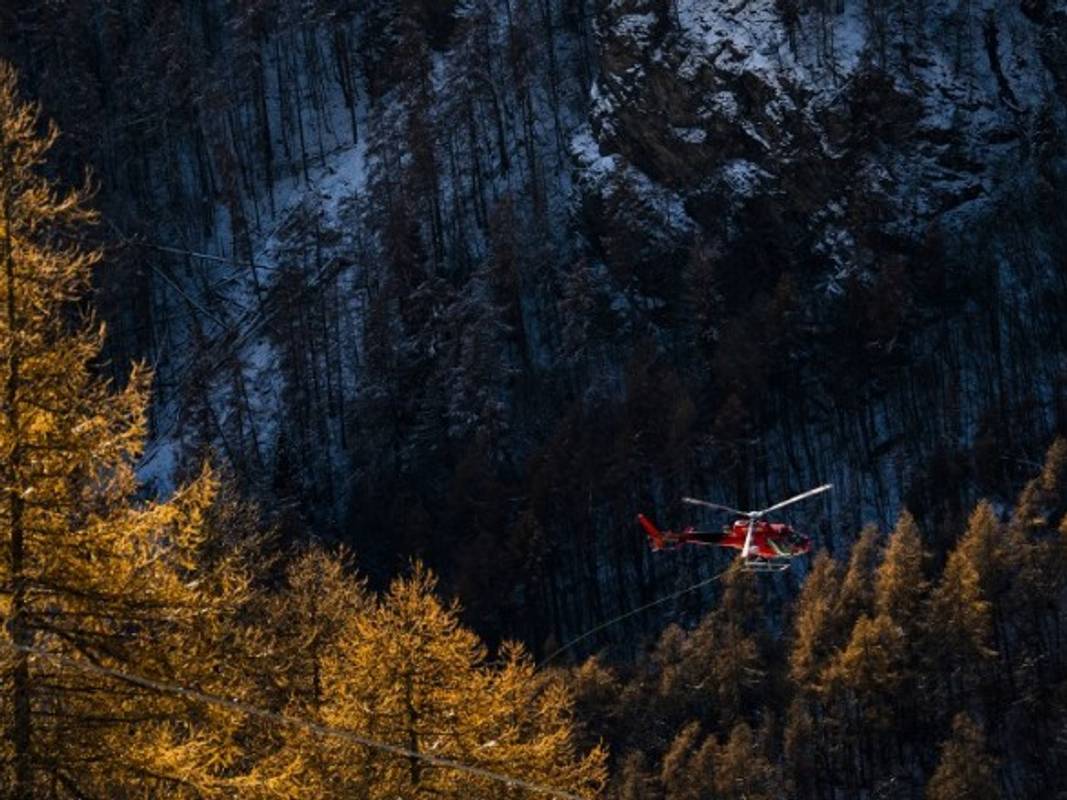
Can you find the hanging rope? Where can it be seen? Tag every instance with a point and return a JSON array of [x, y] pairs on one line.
[[287, 719], [621, 617]]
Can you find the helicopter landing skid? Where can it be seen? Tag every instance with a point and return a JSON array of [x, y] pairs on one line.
[[758, 564]]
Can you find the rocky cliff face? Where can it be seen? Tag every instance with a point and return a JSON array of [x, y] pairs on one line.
[[860, 123], [477, 280], [881, 169]]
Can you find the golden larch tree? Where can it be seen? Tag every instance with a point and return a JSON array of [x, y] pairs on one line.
[[900, 587], [801, 743], [90, 580], [320, 597], [1034, 547], [868, 672], [901, 592], [964, 621], [986, 545], [960, 613], [816, 624], [966, 770], [407, 673], [1043, 491], [857, 595], [743, 771], [734, 661], [302, 623], [687, 771], [632, 780]]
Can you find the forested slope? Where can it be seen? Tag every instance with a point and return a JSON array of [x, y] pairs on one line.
[[897, 675], [172, 648], [478, 280]]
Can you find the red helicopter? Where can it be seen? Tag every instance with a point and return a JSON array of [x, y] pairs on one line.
[[765, 546]]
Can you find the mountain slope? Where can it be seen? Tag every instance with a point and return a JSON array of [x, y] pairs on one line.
[[478, 280]]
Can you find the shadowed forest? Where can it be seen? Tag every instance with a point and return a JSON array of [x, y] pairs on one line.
[[342, 343], [474, 282]]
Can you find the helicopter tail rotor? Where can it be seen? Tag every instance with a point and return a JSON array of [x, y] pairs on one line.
[[654, 534]]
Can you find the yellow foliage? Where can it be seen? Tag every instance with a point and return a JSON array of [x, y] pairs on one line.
[[965, 770], [687, 770], [856, 596], [88, 575], [94, 585], [869, 669], [742, 771], [960, 609], [406, 672], [817, 624], [900, 587]]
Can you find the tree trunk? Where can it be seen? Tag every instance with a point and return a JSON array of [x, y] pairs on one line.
[[20, 685]]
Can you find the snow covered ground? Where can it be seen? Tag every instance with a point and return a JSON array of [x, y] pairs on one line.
[[716, 106]]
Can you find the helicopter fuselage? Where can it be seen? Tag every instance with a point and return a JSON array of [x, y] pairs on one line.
[[769, 539]]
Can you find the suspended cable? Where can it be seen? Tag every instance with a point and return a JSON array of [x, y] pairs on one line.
[[621, 617], [290, 720], [179, 251]]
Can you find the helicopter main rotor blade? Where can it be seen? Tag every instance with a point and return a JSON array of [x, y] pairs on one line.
[[803, 496], [694, 502]]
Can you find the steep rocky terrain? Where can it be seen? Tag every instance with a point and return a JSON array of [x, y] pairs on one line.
[[478, 280]]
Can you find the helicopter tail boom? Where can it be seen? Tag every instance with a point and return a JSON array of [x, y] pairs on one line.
[[655, 536], [668, 540]]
